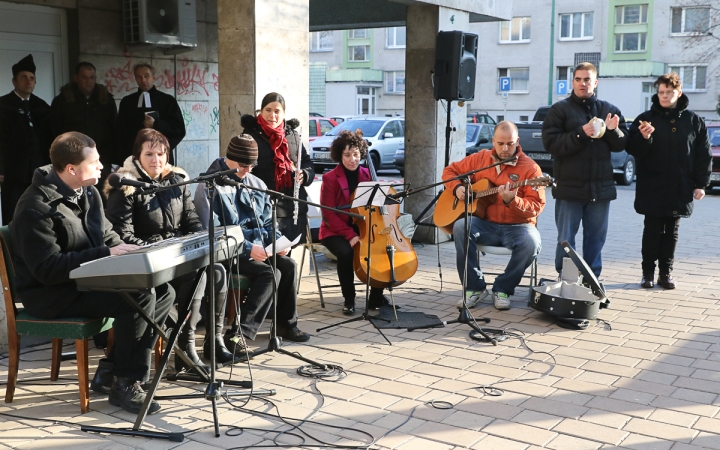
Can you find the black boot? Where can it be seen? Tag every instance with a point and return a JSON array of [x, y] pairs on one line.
[[129, 395], [103, 379], [647, 280], [186, 340], [222, 354]]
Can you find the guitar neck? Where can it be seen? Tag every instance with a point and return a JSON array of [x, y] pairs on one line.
[[496, 189]]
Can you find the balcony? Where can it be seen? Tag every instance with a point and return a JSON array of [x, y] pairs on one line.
[[345, 75], [631, 69]]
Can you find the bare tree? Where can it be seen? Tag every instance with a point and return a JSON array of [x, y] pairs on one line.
[[699, 22]]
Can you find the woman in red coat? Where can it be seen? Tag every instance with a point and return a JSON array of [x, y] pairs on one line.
[[337, 232]]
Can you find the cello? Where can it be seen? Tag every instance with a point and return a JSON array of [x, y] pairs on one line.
[[393, 258]]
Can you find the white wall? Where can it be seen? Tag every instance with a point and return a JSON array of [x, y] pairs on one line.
[[340, 99]]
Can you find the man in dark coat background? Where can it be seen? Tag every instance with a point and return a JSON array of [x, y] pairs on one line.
[[87, 107], [581, 165], [672, 150], [24, 136], [147, 108]]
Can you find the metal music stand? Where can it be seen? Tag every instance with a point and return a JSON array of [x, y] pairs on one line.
[[370, 205]]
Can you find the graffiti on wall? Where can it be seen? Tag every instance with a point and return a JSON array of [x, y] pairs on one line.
[[191, 79]]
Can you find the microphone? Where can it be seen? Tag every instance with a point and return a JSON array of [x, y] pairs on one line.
[[117, 180], [224, 173], [225, 180]]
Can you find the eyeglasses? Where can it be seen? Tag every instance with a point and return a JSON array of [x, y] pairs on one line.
[[246, 166]]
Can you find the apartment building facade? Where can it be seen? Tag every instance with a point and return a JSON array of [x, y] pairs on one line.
[[631, 42]]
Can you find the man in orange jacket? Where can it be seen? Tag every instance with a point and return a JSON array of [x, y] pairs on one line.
[[508, 222]]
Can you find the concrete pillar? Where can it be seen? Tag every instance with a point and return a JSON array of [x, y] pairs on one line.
[[262, 47], [426, 118]]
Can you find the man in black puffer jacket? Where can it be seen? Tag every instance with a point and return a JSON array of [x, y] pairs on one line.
[[581, 165], [672, 149]]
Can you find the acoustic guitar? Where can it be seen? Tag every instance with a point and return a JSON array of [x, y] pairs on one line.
[[449, 208]]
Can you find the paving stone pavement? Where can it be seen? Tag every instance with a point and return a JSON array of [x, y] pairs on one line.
[[650, 382]]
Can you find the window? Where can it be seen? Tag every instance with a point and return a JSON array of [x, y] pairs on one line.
[[325, 126], [359, 34], [690, 20], [630, 42], [524, 118], [564, 73], [321, 41], [313, 127], [693, 77], [393, 127], [395, 37], [359, 53], [395, 82], [516, 30], [576, 26], [500, 118], [518, 78], [631, 14]]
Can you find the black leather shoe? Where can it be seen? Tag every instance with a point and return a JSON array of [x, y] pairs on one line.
[[647, 280], [129, 395], [665, 280], [103, 379], [293, 334], [379, 302]]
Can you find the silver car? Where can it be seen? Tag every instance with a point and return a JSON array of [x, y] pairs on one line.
[[383, 134]]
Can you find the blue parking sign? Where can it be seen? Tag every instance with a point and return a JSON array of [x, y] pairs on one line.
[[504, 84], [561, 87]]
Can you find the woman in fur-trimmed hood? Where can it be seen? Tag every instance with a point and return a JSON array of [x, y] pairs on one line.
[[144, 219], [278, 144]]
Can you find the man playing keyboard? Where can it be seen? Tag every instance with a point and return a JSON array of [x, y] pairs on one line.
[[58, 225]]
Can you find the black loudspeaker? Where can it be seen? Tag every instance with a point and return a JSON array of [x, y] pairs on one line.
[[455, 65]]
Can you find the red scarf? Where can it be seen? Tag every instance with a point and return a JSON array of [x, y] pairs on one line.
[[279, 145]]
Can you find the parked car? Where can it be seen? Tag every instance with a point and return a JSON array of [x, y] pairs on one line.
[[383, 134], [399, 160], [341, 119], [530, 134], [714, 134], [478, 117], [319, 126], [478, 137]]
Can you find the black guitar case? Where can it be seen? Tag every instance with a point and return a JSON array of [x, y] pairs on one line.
[[574, 302]]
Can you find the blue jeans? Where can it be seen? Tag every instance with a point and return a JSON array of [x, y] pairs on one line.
[[594, 217], [523, 239]]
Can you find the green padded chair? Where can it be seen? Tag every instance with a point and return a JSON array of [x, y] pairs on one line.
[[21, 323]]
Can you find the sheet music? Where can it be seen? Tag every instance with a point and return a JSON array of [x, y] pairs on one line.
[[281, 244], [363, 191]]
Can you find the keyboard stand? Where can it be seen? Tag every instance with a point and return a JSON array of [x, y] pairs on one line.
[[160, 370]]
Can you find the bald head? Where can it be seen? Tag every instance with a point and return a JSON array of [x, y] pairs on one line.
[[507, 126]]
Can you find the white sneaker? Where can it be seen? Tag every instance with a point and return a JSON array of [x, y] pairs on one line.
[[502, 300], [473, 297]]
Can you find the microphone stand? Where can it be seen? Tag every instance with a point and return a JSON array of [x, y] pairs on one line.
[[275, 344], [464, 317], [212, 392]]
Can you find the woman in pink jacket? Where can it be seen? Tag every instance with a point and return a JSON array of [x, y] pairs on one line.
[[337, 232]]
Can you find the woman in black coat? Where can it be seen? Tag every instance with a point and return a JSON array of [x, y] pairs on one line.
[[144, 219], [278, 146], [672, 151]]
